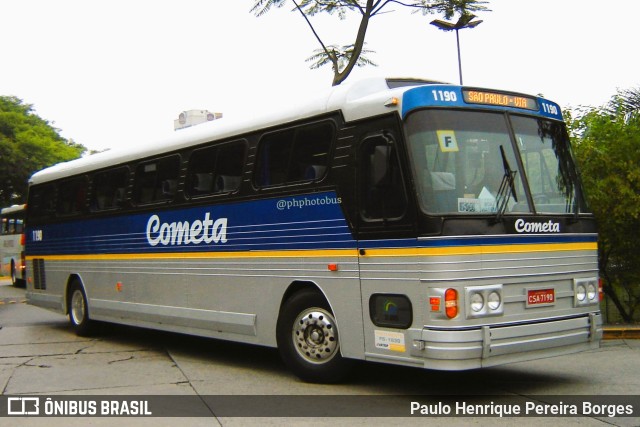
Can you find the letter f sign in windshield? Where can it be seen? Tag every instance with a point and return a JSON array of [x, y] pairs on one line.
[[447, 140]]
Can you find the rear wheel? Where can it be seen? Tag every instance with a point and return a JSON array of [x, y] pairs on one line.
[[79, 310], [14, 274], [308, 339]]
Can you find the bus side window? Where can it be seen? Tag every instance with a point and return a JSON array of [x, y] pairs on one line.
[[311, 153], [19, 224], [109, 189], [216, 169], [72, 196], [294, 155], [381, 187], [42, 202], [157, 180], [274, 154]]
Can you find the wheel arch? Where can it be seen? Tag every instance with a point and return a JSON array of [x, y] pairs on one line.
[[73, 278], [300, 285], [300, 296]]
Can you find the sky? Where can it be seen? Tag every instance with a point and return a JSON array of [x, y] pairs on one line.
[[112, 73]]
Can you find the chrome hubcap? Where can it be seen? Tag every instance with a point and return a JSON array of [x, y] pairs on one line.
[[315, 336], [77, 307]]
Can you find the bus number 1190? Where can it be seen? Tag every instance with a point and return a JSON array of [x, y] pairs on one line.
[[444, 95]]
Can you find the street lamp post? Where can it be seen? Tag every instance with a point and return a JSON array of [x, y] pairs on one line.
[[465, 21]]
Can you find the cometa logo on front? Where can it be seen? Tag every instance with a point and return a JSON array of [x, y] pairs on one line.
[[186, 233], [550, 226]]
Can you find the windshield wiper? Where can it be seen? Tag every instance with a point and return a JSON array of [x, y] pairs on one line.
[[507, 184]]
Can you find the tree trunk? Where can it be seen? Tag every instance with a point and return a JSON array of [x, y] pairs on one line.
[[610, 292], [340, 76], [608, 287]]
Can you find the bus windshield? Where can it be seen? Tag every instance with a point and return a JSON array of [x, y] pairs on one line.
[[464, 162], [546, 155]]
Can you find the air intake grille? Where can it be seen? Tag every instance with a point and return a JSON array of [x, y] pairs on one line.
[[39, 278]]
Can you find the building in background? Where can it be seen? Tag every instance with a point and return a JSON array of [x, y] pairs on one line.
[[194, 117]]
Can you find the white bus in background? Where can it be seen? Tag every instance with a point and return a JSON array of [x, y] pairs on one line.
[[12, 262]]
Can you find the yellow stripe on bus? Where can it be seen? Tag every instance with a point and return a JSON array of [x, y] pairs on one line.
[[488, 249], [389, 252], [204, 255]]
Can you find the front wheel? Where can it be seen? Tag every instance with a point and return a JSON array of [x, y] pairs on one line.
[[308, 339], [79, 310]]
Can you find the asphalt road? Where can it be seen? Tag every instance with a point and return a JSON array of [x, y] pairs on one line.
[[40, 355]]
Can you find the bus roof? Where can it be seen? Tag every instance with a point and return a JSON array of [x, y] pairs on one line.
[[360, 99], [353, 99], [12, 209]]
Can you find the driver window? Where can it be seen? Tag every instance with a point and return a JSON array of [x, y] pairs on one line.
[[381, 186]]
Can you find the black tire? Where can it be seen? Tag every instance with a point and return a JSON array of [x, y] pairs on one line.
[[15, 280], [14, 274], [308, 339], [79, 310]]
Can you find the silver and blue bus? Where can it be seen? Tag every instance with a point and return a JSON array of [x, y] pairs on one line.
[[398, 221]]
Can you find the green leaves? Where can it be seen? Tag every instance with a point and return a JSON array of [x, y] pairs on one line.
[[28, 143], [607, 146], [340, 55], [451, 8], [260, 7]]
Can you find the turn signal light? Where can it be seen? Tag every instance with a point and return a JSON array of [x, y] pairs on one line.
[[451, 303], [392, 102], [600, 289]]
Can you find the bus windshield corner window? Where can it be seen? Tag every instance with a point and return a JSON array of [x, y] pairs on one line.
[[547, 160], [382, 189]]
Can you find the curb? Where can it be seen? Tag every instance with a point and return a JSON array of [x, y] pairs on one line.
[[617, 333], [4, 301]]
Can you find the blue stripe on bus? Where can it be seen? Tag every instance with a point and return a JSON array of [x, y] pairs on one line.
[[302, 222], [310, 222]]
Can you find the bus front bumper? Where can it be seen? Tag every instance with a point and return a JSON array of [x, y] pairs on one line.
[[499, 344]]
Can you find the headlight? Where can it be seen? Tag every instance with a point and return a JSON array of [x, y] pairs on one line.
[[485, 300], [477, 302], [494, 301], [585, 292]]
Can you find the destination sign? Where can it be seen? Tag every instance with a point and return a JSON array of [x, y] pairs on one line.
[[499, 99]]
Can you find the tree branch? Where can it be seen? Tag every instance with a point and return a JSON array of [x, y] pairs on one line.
[[340, 76], [330, 55]]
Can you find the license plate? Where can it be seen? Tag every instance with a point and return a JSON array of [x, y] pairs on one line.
[[540, 297]]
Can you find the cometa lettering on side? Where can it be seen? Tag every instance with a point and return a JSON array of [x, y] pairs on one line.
[[183, 232]]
